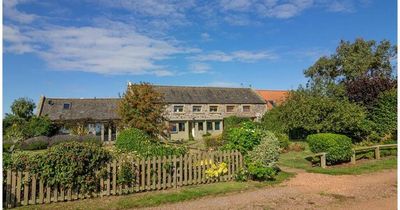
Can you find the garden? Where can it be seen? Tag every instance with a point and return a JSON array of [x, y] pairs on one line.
[[343, 107]]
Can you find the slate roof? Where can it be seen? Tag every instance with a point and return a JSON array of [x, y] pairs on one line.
[[209, 95], [106, 108]]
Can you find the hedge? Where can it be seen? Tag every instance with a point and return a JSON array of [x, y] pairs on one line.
[[338, 147]]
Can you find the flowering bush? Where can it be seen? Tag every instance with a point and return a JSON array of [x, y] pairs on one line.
[[217, 170], [243, 137]]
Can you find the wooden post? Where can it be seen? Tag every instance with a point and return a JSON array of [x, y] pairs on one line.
[[353, 157], [108, 178], [174, 171], [33, 192], [377, 153], [48, 193], [26, 188], [41, 189], [180, 170], [169, 173], [195, 169], [143, 174], [116, 132], [159, 173], [190, 170], [102, 132], [148, 182], [185, 174], [114, 177], [323, 160], [18, 195], [8, 189], [13, 186], [154, 170], [164, 180]]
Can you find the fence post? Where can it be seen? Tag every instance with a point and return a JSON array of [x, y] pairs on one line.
[[13, 187], [323, 160], [114, 178], [353, 157], [8, 189], [377, 153], [33, 193], [18, 195]]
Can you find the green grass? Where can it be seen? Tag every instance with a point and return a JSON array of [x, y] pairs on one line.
[[156, 198], [297, 160]]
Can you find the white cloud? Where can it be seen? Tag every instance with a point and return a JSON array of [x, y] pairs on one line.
[[18, 43], [199, 68], [105, 50], [241, 56], [12, 13], [205, 36]]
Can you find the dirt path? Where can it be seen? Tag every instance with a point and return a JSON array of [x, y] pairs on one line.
[[310, 191]]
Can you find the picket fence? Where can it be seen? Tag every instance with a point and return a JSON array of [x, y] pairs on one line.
[[156, 173]]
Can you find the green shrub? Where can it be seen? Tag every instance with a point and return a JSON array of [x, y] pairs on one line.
[[136, 140], [38, 126], [267, 152], [231, 122], [338, 147], [69, 164], [213, 141], [35, 143], [242, 175], [259, 172], [243, 137], [283, 141]]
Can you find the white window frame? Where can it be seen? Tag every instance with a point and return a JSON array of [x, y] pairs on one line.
[[175, 110]]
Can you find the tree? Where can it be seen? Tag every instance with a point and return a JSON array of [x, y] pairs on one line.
[[309, 112], [384, 114], [366, 90], [353, 64], [354, 60], [142, 107], [23, 108]]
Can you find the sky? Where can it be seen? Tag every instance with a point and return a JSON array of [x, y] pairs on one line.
[[92, 48]]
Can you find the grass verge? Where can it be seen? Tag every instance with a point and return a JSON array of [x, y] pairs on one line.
[[297, 160], [156, 198]]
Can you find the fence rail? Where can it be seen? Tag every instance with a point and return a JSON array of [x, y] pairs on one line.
[[375, 148], [156, 173]]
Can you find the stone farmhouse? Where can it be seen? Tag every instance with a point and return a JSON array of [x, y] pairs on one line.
[[191, 112]]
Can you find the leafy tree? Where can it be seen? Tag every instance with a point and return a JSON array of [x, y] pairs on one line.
[[354, 60], [142, 107], [309, 112], [384, 114], [353, 64], [38, 126], [23, 108], [366, 90]]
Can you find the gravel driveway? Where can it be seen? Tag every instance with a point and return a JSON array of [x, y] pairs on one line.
[[310, 191]]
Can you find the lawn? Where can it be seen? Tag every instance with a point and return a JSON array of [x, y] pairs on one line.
[[156, 198], [297, 160]]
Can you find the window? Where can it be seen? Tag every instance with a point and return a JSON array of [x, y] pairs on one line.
[[217, 125], [213, 108], [209, 126], [181, 126], [178, 108], [246, 108], [196, 108], [67, 106], [200, 126], [230, 108], [173, 127]]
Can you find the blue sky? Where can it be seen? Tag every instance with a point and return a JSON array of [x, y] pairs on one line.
[[91, 48]]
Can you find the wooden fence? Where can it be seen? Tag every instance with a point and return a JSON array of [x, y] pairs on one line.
[[156, 173], [376, 149]]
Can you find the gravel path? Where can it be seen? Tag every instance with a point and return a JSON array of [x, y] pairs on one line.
[[310, 191]]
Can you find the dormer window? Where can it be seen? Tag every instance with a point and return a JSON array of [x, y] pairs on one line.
[[246, 108], [67, 106]]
